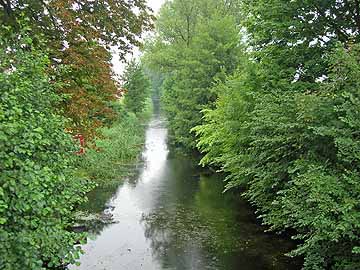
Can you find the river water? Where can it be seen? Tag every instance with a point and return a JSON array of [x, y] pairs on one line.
[[173, 216]]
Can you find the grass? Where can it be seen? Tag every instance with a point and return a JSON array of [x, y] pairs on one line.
[[117, 150]]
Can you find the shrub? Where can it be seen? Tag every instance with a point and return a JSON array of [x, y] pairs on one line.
[[37, 191], [114, 151]]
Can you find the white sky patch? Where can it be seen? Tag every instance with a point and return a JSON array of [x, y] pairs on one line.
[[119, 66]]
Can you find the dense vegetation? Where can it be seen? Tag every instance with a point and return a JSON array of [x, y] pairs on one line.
[[36, 157], [78, 34], [56, 81], [269, 92], [117, 149], [197, 44]]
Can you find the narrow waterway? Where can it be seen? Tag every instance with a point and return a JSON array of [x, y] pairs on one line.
[[174, 216]]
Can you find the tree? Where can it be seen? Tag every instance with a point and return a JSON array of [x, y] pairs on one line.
[[137, 87], [79, 34], [89, 88], [114, 23], [37, 189], [285, 125], [196, 46], [291, 37]]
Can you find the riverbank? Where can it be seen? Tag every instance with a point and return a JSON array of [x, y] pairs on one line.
[[117, 148], [112, 159]]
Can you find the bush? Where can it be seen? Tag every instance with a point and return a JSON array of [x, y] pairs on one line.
[[115, 151], [37, 191]]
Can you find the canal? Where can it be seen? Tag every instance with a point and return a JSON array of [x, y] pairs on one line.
[[173, 216]]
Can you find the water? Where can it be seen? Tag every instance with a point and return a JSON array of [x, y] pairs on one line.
[[174, 216]]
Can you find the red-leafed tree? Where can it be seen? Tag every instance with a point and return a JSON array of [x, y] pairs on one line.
[[79, 35], [89, 87]]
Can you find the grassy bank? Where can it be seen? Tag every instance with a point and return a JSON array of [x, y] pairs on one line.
[[117, 149]]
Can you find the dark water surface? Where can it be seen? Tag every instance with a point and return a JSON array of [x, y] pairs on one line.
[[174, 216]]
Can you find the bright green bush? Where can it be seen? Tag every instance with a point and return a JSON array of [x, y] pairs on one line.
[[37, 191]]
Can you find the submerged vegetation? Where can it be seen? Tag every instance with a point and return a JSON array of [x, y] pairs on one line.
[[268, 91]]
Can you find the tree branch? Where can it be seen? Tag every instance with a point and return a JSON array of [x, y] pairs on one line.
[[178, 30], [50, 13], [339, 32], [357, 17]]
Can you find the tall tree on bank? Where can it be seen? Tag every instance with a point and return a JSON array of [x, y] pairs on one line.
[[79, 34], [137, 87], [285, 125], [89, 88], [197, 44]]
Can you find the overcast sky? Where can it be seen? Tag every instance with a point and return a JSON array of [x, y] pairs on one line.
[[155, 4], [117, 65]]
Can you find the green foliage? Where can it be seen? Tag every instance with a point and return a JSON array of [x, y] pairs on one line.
[[285, 121], [286, 125], [291, 37], [137, 86], [79, 34], [115, 23], [297, 154], [115, 151], [197, 45], [37, 190]]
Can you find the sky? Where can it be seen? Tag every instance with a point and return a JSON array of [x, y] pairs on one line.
[[119, 66], [155, 4]]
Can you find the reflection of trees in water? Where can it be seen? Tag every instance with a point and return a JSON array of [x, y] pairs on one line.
[[96, 213], [236, 237], [177, 236], [218, 228], [99, 200]]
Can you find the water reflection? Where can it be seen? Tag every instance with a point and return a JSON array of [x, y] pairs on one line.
[[206, 229], [174, 216]]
